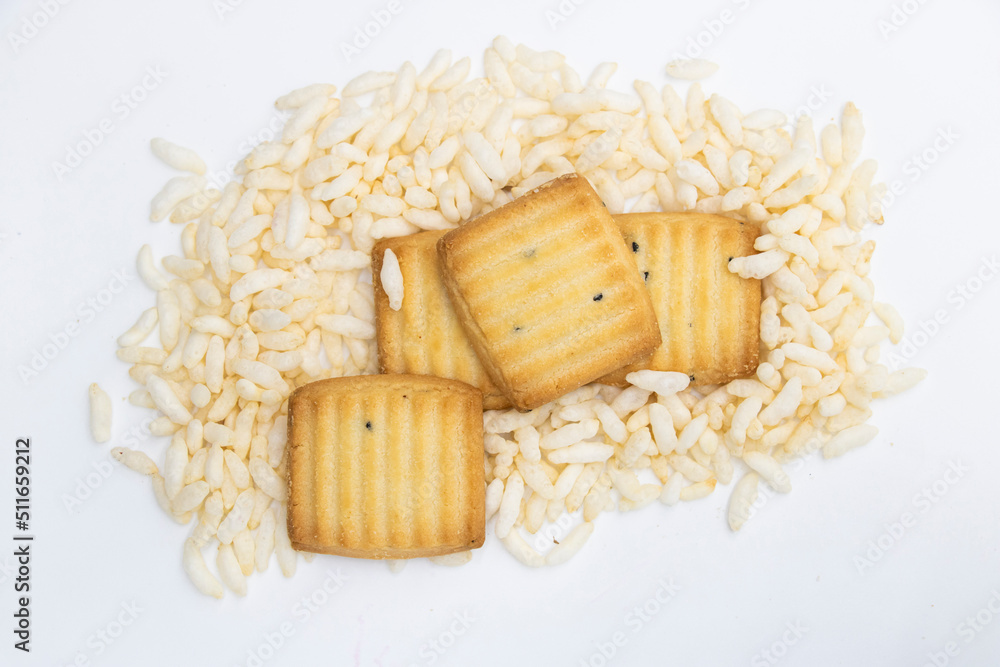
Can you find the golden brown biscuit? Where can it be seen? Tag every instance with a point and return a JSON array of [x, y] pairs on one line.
[[547, 291], [386, 466], [424, 337], [709, 317]]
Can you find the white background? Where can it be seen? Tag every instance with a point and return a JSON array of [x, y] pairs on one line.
[[794, 564]]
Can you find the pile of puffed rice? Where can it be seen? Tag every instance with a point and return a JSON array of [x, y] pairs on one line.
[[272, 290]]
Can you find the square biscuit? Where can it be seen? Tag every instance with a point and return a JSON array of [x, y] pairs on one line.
[[425, 337], [547, 292], [709, 317], [386, 466]]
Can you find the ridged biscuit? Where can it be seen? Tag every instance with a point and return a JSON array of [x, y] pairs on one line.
[[547, 292], [386, 466], [424, 336], [709, 317]]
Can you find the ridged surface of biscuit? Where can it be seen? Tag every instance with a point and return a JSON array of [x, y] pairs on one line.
[[547, 292], [424, 336], [709, 317], [386, 466]]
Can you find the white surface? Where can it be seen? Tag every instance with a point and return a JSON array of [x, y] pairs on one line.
[[61, 241]]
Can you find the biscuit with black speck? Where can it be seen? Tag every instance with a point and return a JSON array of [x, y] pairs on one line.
[[425, 337], [709, 317], [547, 292], [386, 466]]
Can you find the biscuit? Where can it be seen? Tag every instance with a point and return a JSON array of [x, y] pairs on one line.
[[709, 317], [386, 466], [424, 336], [547, 292]]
